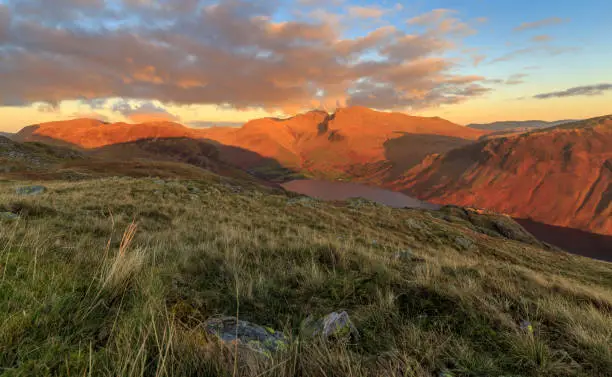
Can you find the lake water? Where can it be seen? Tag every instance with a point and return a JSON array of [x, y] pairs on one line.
[[576, 241], [326, 190], [572, 240]]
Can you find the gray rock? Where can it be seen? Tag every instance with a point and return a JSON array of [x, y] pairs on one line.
[[232, 188], [30, 190], [360, 202], [302, 200], [413, 224], [405, 255], [159, 181], [333, 325], [10, 216], [526, 326], [194, 190], [257, 338]]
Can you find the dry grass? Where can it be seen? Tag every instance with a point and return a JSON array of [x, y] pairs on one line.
[[81, 296]]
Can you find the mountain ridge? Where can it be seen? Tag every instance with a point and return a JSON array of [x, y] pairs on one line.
[[520, 174]]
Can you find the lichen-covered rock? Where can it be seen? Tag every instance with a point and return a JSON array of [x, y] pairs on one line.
[[302, 200], [30, 190], [260, 339], [526, 326], [10, 216], [333, 325], [359, 202], [406, 256]]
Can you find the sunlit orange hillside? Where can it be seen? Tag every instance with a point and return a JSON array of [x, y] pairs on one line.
[[341, 143], [356, 141], [91, 133], [560, 176]]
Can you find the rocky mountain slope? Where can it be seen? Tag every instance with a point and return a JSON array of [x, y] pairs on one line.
[[354, 142], [352, 139], [560, 176]]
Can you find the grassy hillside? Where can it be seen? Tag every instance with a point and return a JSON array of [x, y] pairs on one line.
[[115, 276]]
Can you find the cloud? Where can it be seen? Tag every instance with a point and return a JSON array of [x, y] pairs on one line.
[[318, 3], [90, 115], [144, 112], [541, 23], [541, 38], [365, 12], [231, 54], [46, 108], [442, 21], [208, 124], [548, 50], [477, 59], [516, 79], [587, 90]]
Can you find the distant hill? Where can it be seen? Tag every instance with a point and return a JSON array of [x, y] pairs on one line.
[[93, 133], [560, 176], [520, 124], [6, 134]]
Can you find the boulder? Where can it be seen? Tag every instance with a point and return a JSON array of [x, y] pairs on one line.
[[10, 216], [406, 256], [526, 326], [30, 190], [260, 339], [333, 325], [302, 200]]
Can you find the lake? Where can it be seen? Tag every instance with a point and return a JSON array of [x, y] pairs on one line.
[[575, 241], [326, 190], [572, 240]]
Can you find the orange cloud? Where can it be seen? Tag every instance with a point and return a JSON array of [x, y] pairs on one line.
[[365, 12]]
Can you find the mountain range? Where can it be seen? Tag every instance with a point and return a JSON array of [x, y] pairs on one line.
[[520, 124], [555, 174]]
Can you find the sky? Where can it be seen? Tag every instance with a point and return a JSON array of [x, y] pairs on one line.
[[223, 62]]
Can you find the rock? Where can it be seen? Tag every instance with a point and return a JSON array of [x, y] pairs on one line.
[[232, 188], [333, 325], [405, 255], [526, 327], [193, 190], [159, 181], [302, 200], [413, 224], [30, 190], [10, 216], [463, 243], [359, 202], [254, 337]]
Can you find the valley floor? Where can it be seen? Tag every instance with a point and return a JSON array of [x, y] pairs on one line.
[[115, 277]]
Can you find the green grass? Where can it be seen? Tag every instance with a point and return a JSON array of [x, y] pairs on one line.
[[115, 276]]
